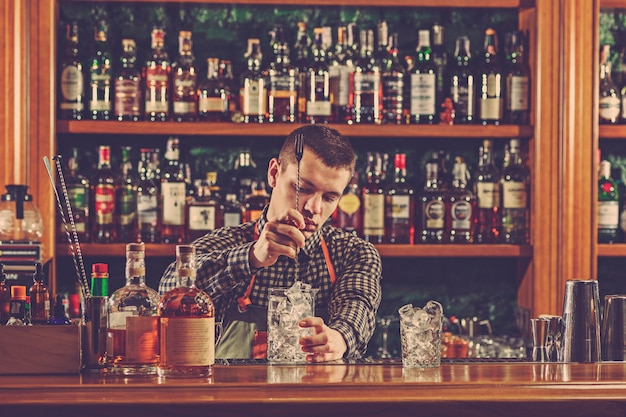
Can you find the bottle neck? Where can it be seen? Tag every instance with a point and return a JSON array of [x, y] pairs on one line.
[[135, 268]]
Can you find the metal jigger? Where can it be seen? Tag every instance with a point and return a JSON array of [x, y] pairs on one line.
[[539, 329], [581, 321]]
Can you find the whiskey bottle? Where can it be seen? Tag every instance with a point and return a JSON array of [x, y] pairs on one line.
[[318, 105], [128, 84], [340, 69], [440, 60], [173, 193], [460, 206], [203, 213], [610, 98], [126, 200], [463, 83], [156, 75], [487, 184], [282, 94], [78, 193], [517, 80], [184, 81], [253, 86], [100, 105], [400, 205], [491, 97], [432, 203], [232, 212], [213, 95], [39, 297], [187, 323], [366, 92], [132, 332], [71, 80], [515, 191], [301, 60], [608, 205], [148, 198], [256, 201], [103, 191], [373, 197], [423, 83], [349, 212], [394, 79]]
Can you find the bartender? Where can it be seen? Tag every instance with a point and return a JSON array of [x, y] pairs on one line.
[[238, 265]]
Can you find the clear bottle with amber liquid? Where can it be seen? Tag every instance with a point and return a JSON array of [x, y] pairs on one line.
[[373, 197], [349, 212], [488, 192], [127, 103], [253, 85], [133, 327], [39, 297], [71, 79], [432, 203], [173, 196], [256, 201], [184, 81], [103, 192], [100, 86], [156, 74], [187, 323], [282, 93], [460, 206], [400, 205], [203, 213], [213, 95]]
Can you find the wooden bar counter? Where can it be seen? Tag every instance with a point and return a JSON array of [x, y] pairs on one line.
[[380, 389]]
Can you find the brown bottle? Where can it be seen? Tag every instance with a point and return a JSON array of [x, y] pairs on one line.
[[39, 297]]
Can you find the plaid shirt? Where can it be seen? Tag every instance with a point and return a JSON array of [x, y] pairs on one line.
[[224, 273]]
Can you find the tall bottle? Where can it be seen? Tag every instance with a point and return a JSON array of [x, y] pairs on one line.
[[373, 197], [213, 95], [126, 200], [318, 105], [460, 206], [184, 81], [517, 80], [100, 104], [610, 98], [394, 81], [132, 333], [128, 84], [515, 192], [71, 79], [301, 60], [173, 193], [156, 74], [39, 297], [340, 69], [78, 193], [432, 203], [349, 213], [491, 97], [488, 186], [366, 92], [187, 323], [282, 93], [253, 85], [423, 83], [608, 205], [103, 192], [147, 198], [400, 205], [440, 59], [463, 83]]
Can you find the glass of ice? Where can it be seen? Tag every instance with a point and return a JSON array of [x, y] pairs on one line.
[[420, 332], [287, 306]]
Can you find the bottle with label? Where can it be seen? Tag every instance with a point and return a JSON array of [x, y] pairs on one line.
[[256, 201], [394, 80], [126, 200], [100, 104], [440, 59], [78, 193], [282, 93], [203, 213], [253, 86], [187, 323], [340, 68], [173, 196], [366, 90], [349, 212], [432, 203], [148, 198], [156, 74], [39, 297], [18, 305], [517, 80], [400, 205], [608, 205], [460, 206], [463, 83], [491, 89], [184, 81], [213, 95], [423, 83], [232, 212], [103, 192], [5, 297], [128, 84], [318, 105], [71, 80], [515, 192], [489, 224], [373, 197], [231, 87], [59, 316], [610, 97], [132, 333], [301, 60]]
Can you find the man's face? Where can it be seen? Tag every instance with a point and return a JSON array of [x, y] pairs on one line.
[[320, 189]]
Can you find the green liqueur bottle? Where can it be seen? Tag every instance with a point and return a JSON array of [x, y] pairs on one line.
[[608, 205]]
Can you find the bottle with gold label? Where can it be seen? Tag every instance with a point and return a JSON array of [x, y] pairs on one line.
[[349, 215]]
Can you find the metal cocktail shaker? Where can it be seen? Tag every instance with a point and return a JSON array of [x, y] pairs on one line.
[[581, 321], [614, 328]]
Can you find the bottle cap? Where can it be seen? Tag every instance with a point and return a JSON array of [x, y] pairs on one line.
[[18, 292], [100, 268]]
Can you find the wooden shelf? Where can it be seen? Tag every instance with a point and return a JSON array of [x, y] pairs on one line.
[[612, 132], [612, 250], [386, 250], [283, 129]]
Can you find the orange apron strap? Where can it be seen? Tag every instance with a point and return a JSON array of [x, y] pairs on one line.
[[244, 300], [329, 263]]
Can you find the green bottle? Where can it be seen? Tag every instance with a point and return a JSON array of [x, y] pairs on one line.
[[608, 205]]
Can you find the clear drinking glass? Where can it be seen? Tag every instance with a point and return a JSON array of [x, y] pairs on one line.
[[420, 332]]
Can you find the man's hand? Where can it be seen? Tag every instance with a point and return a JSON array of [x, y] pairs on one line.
[[280, 236], [325, 345]]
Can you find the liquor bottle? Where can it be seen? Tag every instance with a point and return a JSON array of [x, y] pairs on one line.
[[301, 61], [58, 316], [394, 80], [460, 206], [515, 192], [100, 280], [349, 215], [256, 201], [373, 197], [318, 105], [173, 194], [184, 81], [253, 86], [340, 68], [132, 344], [463, 83], [432, 203], [244, 174], [487, 185], [126, 200], [17, 308], [423, 83], [5, 297], [231, 88], [78, 193], [128, 84], [232, 212], [39, 297], [187, 323], [610, 97], [366, 92], [71, 80], [213, 95], [491, 97], [517, 80], [203, 213], [100, 105], [400, 205], [608, 205], [282, 93], [103, 192], [156, 74], [147, 198], [440, 60]]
